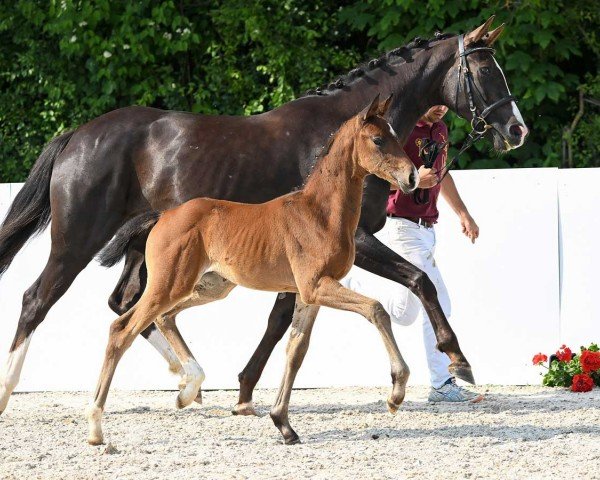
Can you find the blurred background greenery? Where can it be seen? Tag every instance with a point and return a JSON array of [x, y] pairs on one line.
[[65, 62]]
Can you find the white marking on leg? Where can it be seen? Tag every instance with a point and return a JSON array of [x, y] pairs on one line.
[[13, 372], [94, 417], [159, 342], [194, 376]]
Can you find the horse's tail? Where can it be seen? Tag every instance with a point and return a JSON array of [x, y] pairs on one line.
[[134, 228], [29, 213]]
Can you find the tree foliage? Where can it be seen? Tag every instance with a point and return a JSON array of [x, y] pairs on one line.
[[65, 62]]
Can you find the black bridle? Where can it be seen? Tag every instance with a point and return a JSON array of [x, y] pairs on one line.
[[479, 125]]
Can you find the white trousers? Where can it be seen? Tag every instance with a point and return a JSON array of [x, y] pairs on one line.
[[416, 244]]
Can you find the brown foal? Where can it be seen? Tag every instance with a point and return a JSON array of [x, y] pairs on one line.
[[302, 242]]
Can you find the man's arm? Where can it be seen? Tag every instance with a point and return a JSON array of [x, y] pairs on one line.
[[451, 195]]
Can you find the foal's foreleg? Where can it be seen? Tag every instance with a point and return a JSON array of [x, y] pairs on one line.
[[279, 321], [375, 257], [329, 293], [302, 323]]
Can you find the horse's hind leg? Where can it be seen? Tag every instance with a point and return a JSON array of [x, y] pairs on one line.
[[279, 321], [61, 269]]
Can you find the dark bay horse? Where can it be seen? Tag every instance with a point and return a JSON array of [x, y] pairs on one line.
[[132, 160], [301, 242]]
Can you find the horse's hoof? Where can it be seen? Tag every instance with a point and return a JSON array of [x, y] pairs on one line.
[[462, 371], [295, 440], [392, 407], [246, 408], [198, 398]]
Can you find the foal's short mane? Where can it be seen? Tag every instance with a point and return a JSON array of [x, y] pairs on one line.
[[393, 57]]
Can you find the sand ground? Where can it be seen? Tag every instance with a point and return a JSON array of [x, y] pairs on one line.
[[516, 432]]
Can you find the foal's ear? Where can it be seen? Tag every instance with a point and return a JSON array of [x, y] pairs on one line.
[[372, 110], [479, 32], [385, 105]]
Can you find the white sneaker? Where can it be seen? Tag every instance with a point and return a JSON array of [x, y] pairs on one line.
[[451, 392]]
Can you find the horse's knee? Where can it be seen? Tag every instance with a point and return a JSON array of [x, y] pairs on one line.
[[420, 284]]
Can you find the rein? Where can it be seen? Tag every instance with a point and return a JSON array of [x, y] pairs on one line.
[[479, 125]]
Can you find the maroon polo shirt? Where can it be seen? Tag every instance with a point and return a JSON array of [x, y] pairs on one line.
[[403, 205]]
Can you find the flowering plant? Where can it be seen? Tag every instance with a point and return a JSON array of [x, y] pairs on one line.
[[579, 372]]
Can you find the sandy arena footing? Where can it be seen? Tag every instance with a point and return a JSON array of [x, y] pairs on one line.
[[516, 432]]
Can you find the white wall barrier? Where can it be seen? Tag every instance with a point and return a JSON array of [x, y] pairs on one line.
[[525, 286]]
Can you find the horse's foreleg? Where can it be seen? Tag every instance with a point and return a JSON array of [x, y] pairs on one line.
[[303, 321], [279, 321], [329, 293], [375, 257]]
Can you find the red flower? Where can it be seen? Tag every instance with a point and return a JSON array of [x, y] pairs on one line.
[[539, 358], [564, 354], [582, 383], [590, 361]]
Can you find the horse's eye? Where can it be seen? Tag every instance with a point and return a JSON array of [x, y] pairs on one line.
[[485, 70], [378, 141]]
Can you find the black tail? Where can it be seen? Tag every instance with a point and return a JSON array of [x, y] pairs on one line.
[[29, 213], [117, 248]]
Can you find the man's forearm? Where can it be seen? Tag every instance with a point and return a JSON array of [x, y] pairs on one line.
[[451, 195]]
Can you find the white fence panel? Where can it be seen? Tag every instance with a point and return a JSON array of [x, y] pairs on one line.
[[579, 199], [504, 290]]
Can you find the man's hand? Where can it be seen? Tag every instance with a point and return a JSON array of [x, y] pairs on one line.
[[469, 227], [428, 177]]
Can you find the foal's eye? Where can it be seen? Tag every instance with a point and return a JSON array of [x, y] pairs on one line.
[[378, 141], [485, 70]]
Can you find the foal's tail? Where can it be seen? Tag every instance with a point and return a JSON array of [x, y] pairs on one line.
[[29, 213], [134, 228]]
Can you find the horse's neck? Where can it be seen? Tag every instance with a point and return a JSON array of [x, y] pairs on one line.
[[416, 87], [334, 188]]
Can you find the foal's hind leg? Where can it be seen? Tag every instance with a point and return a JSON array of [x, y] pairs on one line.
[[128, 291], [211, 287], [302, 324]]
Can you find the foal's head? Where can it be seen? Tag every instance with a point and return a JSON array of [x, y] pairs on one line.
[[378, 150]]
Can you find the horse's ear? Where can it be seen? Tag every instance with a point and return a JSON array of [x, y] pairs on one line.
[[385, 105], [371, 110], [492, 36], [479, 32]]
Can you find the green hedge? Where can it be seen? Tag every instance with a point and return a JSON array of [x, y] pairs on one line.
[[65, 62]]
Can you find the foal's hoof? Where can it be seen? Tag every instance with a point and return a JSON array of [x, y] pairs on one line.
[[462, 371], [392, 407], [95, 441], [246, 408]]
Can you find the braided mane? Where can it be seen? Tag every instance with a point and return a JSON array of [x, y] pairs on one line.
[[393, 57]]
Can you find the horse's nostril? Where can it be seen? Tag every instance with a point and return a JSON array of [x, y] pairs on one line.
[[517, 130]]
